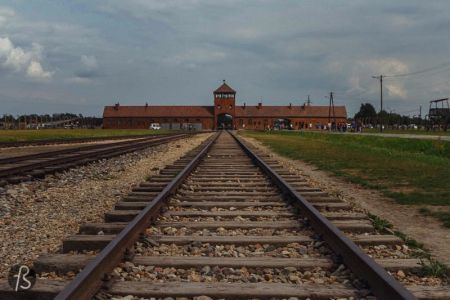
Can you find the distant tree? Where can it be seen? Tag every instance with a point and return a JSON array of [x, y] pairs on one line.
[[394, 119], [366, 114]]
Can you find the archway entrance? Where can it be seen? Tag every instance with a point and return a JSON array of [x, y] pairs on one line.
[[224, 121], [281, 124]]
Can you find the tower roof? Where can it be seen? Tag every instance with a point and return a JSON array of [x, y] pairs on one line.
[[225, 88]]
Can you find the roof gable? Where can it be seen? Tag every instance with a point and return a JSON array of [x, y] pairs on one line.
[[225, 88]]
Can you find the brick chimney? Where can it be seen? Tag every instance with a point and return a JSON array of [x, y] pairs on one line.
[[290, 105], [116, 106], [259, 105]]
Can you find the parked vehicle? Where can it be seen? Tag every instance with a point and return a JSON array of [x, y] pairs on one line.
[[154, 126]]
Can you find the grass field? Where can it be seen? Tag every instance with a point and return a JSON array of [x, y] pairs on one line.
[[64, 134], [410, 171], [408, 131]]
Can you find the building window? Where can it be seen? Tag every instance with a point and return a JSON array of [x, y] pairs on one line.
[[198, 120]]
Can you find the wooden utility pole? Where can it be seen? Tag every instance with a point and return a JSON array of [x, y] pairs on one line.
[[381, 100], [420, 116], [331, 112]]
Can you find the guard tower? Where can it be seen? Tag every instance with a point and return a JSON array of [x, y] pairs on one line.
[[439, 114], [224, 107]]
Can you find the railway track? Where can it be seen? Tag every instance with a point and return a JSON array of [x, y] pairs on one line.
[[225, 222], [26, 167], [69, 141]]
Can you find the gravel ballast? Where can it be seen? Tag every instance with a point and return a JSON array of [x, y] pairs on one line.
[[36, 216]]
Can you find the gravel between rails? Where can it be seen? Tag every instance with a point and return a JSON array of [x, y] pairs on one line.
[[35, 216]]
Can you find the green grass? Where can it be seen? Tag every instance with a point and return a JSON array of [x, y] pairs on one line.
[[409, 170], [443, 216], [407, 131], [419, 250], [64, 134], [384, 226], [381, 225], [431, 267]]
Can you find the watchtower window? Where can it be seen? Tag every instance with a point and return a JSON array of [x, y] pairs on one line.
[[224, 96]]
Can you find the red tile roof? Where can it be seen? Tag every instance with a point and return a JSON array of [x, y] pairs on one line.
[[225, 88], [208, 111], [158, 111], [286, 111]]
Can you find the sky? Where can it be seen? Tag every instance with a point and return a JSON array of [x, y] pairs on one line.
[[78, 56]]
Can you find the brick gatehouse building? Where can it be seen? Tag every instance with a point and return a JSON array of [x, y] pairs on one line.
[[224, 114]]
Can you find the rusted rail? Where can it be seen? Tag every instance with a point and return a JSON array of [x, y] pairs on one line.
[[53, 153], [85, 285], [19, 168], [382, 284], [70, 141], [224, 184]]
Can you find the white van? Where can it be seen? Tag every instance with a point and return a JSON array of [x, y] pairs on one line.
[[154, 126]]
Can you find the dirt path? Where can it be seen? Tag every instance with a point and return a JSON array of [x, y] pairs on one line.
[[405, 218]]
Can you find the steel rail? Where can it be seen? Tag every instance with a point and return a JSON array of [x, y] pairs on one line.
[[14, 159], [89, 280], [76, 157], [383, 285], [72, 140]]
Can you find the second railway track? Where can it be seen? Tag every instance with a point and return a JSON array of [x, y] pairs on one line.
[[225, 223], [26, 167]]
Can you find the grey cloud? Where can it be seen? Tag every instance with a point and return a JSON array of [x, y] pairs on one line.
[[177, 51], [89, 67]]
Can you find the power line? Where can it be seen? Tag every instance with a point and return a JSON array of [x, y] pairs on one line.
[[443, 70], [421, 71]]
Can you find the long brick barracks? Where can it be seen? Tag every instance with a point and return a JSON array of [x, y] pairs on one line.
[[224, 114]]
